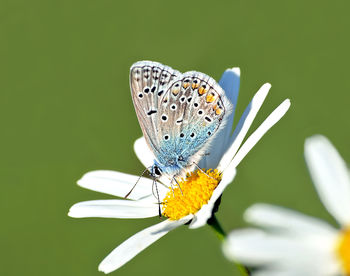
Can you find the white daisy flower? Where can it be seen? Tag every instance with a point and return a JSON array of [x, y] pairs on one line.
[[194, 203], [294, 244]]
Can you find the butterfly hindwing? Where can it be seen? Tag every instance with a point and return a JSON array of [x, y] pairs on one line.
[[191, 113]]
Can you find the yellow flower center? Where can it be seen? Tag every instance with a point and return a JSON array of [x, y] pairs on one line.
[[196, 190], [343, 250]]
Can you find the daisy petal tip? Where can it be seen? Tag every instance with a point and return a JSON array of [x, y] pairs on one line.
[[283, 107], [287, 102], [139, 143], [80, 182], [105, 268], [262, 92], [257, 211], [236, 70], [315, 139], [73, 213], [266, 86]]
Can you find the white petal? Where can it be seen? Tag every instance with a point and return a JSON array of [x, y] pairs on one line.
[[285, 253], [117, 184], [146, 157], [230, 83], [269, 122], [290, 271], [244, 124], [284, 219], [331, 177], [113, 208], [255, 247], [143, 152], [202, 216], [138, 242], [272, 271]]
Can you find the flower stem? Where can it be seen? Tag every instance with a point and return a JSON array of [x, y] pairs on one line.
[[220, 233], [215, 225]]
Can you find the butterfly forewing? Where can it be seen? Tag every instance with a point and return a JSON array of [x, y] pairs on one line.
[[148, 83]]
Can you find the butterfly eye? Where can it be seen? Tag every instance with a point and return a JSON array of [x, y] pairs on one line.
[[157, 171]]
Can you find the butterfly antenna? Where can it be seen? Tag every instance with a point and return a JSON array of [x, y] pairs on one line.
[[137, 182], [203, 171]]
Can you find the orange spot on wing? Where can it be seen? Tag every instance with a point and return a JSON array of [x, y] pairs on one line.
[[210, 98], [195, 85], [218, 111], [201, 91]]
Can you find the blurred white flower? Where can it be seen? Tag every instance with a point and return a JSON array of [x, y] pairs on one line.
[[195, 202], [294, 244]]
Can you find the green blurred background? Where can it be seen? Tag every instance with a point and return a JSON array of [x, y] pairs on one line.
[[66, 109]]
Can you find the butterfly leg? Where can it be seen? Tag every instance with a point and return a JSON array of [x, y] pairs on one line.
[[172, 188], [203, 171], [178, 185], [157, 196]]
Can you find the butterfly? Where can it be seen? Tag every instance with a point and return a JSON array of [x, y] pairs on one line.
[[179, 114]]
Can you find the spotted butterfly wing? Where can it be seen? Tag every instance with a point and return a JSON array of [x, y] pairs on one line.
[[192, 112], [148, 83], [185, 118]]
